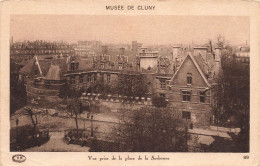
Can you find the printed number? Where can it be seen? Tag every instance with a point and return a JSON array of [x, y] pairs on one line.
[[246, 157]]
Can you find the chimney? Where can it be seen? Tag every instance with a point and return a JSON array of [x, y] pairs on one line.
[[104, 49], [217, 54], [175, 52]]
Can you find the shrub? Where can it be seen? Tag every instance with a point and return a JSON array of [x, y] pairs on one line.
[[159, 102]]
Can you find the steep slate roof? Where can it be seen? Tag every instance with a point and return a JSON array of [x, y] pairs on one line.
[[45, 65], [197, 67], [27, 69], [54, 73], [200, 61]]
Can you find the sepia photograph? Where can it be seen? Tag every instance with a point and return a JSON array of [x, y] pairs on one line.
[[111, 83]]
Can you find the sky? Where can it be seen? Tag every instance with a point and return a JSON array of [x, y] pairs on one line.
[[124, 29]]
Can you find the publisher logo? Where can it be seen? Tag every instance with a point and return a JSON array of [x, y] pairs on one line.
[[19, 158]]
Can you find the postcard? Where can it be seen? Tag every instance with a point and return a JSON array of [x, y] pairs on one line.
[[130, 82]]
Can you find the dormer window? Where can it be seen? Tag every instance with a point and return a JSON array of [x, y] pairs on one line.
[[89, 78], [72, 66], [189, 78], [163, 84], [108, 77]]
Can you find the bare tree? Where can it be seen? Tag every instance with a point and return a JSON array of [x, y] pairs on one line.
[[73, 108], [34, 119]]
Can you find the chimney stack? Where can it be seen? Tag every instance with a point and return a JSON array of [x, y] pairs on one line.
[[217, 54], [175, 52]]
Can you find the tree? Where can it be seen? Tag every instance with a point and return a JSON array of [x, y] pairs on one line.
[[233, 88], [18, 95], [151, 130], [131, 85], [73, 110], [73, 106], [34, 119], [159, 102], [34, 110], [64, 91], [232, 97], [139, 87]]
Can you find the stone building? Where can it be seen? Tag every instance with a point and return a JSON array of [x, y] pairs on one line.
[[44, 77], [183, 78]]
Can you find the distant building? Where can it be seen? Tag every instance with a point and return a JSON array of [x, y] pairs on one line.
[[243, 54], [21, 52], [86, 48]]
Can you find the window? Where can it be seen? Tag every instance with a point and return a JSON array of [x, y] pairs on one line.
[[89, 78], [72, 66], [80, 79], [163, 84], [202, 97], [189, 78], [120, 67], [72, 81], [162, 95], [185, 115], [108, 78], [186, 95], [102, 65], [47, 84]]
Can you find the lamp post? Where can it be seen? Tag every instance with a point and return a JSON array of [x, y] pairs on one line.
[[229, 125], [92, 126], [17, 122]]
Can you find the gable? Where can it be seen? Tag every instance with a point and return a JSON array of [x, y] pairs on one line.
[[189, 65]]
